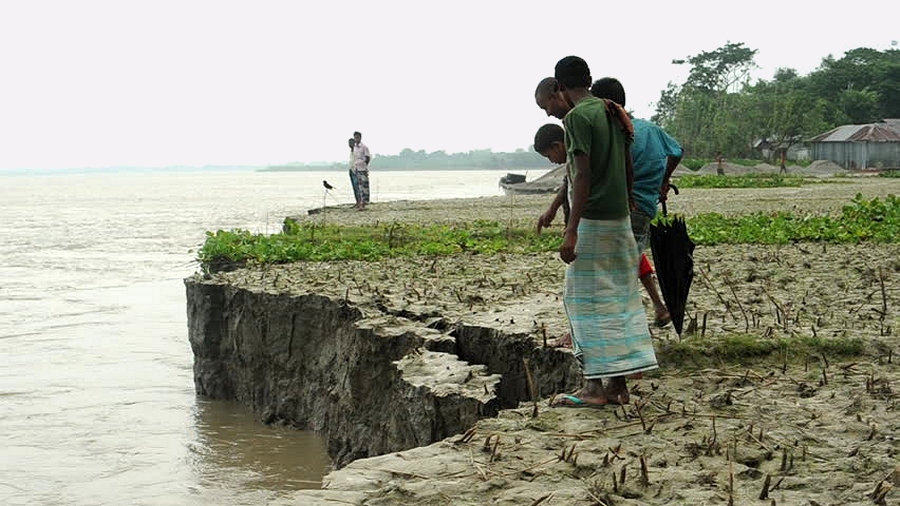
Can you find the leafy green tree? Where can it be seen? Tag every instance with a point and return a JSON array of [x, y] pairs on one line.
[[863, 85], [724, 69], [706, 113], [666, 105], [783, 111], [859, 106], [718, 109]]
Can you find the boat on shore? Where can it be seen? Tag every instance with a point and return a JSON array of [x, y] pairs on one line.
[[515, 184]]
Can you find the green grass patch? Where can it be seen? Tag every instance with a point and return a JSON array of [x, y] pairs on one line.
[[890, 173], [861, 221]]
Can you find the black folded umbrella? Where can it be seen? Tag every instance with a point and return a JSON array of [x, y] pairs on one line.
[[673, 256]]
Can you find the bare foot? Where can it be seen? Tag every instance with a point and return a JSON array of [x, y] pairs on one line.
[[618, 398], [662, 317], [617, 391]]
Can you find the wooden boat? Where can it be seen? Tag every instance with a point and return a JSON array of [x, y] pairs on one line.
[[515, 184]]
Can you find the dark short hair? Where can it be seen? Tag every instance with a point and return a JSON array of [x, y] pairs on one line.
[[547, 86], [547, 135], [611, 88], [573, 72], [357, 133]]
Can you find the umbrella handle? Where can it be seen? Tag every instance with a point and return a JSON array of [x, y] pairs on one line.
[[674, 189]]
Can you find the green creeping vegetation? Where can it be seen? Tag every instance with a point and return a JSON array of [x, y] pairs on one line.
[[890, 173], [745, 348], [743, 181], [862, 220], [315, 242]]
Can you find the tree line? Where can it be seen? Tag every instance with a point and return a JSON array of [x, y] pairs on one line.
[[482, 159], [718, 110], [476, 159]]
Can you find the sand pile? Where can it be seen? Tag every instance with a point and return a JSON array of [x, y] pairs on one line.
[[818, 168], [766, 168], [681, 170], [823, 167], [731, 169]]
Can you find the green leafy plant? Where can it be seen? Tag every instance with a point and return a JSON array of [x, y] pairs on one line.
[[862, 220], [316, 242]]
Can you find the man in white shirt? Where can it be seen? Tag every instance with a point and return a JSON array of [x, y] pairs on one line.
[[361, 157]]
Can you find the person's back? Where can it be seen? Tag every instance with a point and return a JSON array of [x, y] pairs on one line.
[[591, 130], [650, 151], [655, 155]]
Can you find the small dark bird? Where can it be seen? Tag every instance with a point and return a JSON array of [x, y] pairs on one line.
[[326, 185]]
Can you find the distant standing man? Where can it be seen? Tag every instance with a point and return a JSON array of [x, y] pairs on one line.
[[353, 179], [361, 157]]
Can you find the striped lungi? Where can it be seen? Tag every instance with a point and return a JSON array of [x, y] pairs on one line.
[[609, 327], [362, 178]]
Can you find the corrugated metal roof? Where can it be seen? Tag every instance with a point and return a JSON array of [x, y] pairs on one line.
[[886, 131], [839, 134], [876, 133]]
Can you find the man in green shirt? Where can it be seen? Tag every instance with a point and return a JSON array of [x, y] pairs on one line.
[[608, 325]]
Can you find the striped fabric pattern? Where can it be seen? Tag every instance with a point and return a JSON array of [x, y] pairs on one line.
[[609, 327], [362, 179]]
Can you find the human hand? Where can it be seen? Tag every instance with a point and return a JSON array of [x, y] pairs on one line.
[[664, 191], [567, 248], [546, 219]]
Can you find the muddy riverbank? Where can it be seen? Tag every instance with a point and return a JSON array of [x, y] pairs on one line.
[[714, 423]]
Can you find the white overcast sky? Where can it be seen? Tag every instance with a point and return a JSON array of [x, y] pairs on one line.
[[155, 83]]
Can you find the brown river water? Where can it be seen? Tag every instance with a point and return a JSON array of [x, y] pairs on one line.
[[97, 402]]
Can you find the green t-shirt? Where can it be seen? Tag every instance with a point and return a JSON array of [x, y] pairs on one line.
[[592, 131]]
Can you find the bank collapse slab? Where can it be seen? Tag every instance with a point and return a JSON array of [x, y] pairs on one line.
[[370, 381]]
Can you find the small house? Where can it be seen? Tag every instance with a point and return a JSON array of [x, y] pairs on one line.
[[771, 149], [873, 145]]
